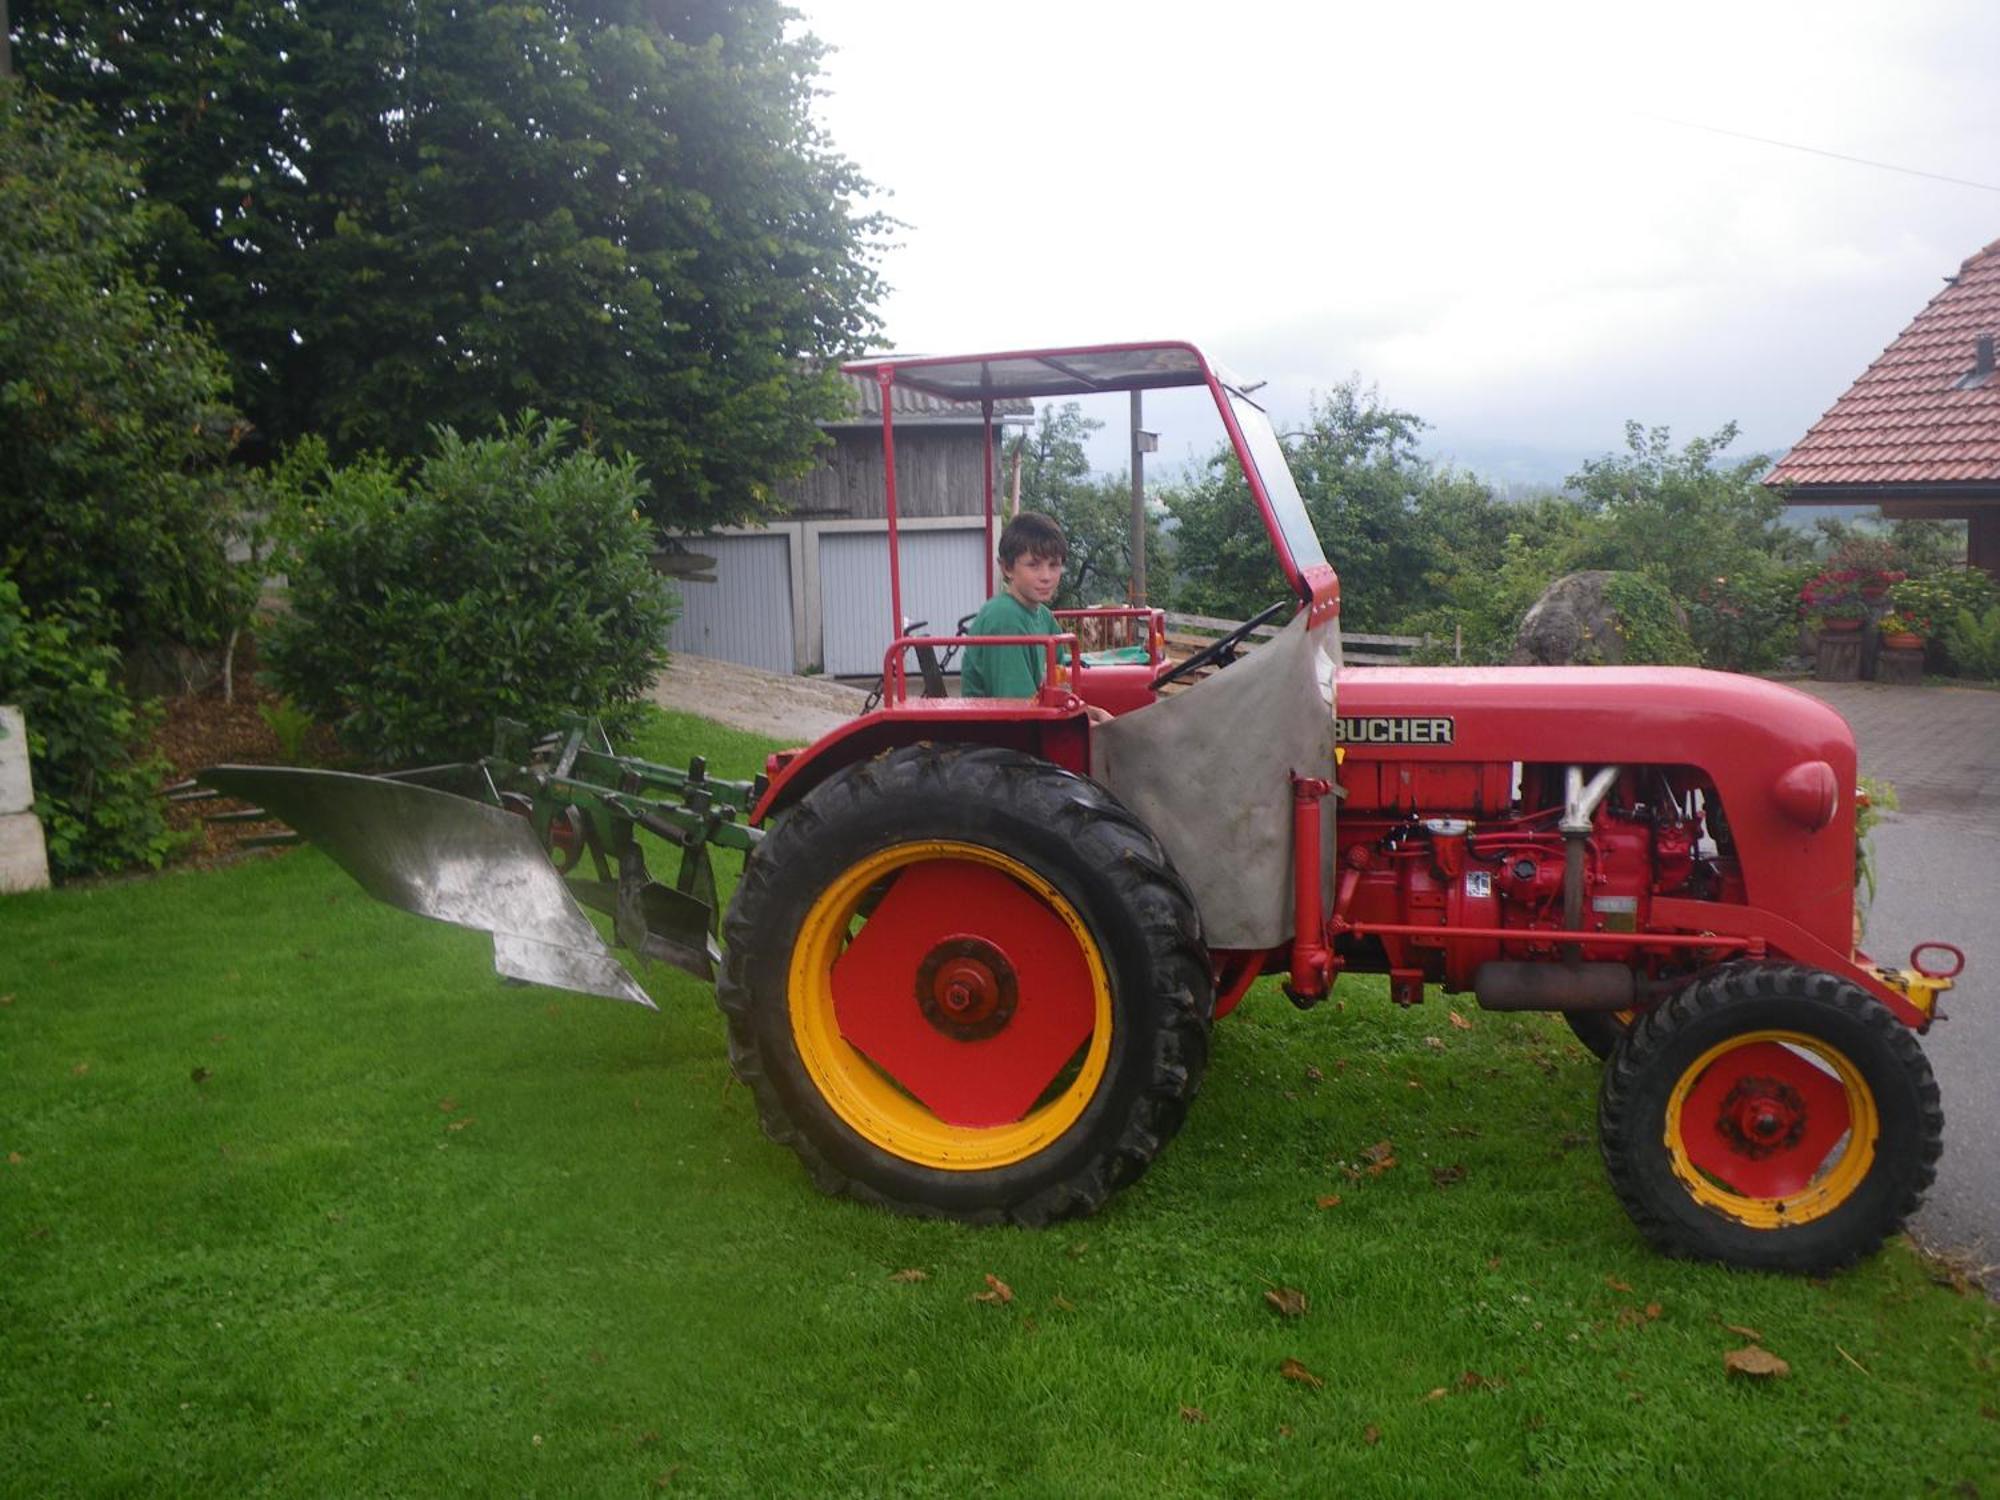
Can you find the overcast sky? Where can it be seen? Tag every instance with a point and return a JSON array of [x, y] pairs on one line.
[[1478, 207]]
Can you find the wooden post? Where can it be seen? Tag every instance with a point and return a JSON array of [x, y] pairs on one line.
[[1138, 589]]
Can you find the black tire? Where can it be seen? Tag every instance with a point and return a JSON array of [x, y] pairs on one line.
[[1863, 1053], [1068, 832], [1600, 1031]]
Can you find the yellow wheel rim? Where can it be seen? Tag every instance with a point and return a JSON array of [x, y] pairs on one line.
[[871, 1103], [1772, 1128]]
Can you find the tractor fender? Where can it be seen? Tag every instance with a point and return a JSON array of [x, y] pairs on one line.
[[1060, 736]]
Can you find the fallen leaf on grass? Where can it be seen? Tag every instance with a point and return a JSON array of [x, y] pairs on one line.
[[1381, 1157], [1435, 1393], [79, 1070], [1435, 1043], [1472, 1380], [6, 999], [1744, 1332], [1062, 1304], [16, 1159], [911, 1274], [1652, 1312], [449, 1104], [1194, 1416], [1291, 1369], [1327, 1200], [1445, 1177], [1313, 1074], [201, 1075], [1287, 1301], [1371, 1434], [997, 1291], [1756, 1362], [1460, 1022], [455, 1125], [1616, 1285]]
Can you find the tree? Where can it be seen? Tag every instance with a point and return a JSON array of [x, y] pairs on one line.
[[403, 212], [112, 475], [1381, 511], [1095, 512]]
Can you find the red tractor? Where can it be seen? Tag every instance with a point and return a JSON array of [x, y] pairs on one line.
[[977, 947]]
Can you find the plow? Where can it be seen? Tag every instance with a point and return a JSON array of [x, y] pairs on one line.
[[978, 947]]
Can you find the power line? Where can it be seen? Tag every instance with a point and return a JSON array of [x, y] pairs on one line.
[[1859, 161]]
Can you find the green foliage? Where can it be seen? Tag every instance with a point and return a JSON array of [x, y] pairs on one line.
[[1940, 597], [112, 476], [289, 725], [96, 792], [403, 212], [1398, 529], [1683, 516], [1648, 622], [1973, 642], [502, 576], [1876, 797], [1747, 621], [1095, 513]]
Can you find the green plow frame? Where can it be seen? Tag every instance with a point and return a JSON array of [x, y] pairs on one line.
[[517, 843]]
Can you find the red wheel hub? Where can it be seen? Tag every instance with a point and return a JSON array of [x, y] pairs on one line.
[[1764, 1120], [967, 990]]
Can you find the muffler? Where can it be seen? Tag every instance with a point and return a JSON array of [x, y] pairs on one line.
[[1507, 985]]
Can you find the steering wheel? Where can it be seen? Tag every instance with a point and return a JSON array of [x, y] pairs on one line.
[[1222, 652]]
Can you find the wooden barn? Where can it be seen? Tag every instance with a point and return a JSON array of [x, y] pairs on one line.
[[810, 590]]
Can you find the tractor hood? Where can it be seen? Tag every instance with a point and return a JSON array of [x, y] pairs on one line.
[[1763, 744]]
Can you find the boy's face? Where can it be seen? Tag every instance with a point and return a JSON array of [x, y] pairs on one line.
[[1033, 579]]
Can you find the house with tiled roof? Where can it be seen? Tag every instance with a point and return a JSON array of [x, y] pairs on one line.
[[1919, 433]]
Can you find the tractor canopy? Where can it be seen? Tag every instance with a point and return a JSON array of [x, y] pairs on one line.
[[1100, 368]]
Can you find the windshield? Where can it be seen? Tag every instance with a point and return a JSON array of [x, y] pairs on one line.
[[1286, 504]]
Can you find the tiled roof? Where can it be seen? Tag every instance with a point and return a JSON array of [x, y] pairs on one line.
[[1906, 421], [908, 404]]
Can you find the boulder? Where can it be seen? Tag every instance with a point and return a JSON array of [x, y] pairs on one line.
[[1576, 623]]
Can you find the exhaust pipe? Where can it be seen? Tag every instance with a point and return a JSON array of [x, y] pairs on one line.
[[1508, 985]]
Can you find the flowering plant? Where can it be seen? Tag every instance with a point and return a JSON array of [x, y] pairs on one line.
[[1903, 622], [1835, 594]]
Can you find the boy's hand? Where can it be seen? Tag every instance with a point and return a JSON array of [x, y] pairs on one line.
[[1097, 715]]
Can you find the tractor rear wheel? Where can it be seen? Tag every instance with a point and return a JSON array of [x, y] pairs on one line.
[[965, 982], [1600, 1031], [1771, 1116]]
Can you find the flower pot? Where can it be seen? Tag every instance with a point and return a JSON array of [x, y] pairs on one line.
[[1835, 627], [1902, 640]]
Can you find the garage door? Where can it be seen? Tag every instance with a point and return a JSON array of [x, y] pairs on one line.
[[944, 577], [745, 615]]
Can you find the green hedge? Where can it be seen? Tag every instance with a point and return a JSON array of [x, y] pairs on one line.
[[96, 791], [504, 576]]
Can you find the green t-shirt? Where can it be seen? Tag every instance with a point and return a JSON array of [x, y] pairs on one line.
[[1006, 671]]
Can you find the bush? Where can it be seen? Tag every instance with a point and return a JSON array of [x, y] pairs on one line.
[[503, 577], [1940, 597], [1746, 621], [96, 793], [113, 474], [1973, 642]]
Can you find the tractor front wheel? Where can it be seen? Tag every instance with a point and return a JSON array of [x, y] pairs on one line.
[[965, 982], [1770, 1116]]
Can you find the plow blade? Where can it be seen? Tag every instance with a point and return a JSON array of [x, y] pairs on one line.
[[448, 858]]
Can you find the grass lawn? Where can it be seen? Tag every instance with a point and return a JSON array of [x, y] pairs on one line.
[[297, 1197]]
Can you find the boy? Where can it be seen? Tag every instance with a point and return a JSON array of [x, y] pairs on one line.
[[1032, 550]]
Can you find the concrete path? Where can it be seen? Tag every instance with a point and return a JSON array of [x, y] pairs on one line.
[[1937, 874], [797, 710]]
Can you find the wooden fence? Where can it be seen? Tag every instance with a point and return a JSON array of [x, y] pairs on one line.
[[1187, 634]]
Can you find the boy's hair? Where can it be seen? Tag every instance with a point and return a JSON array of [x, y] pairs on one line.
[[1034, 534]]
